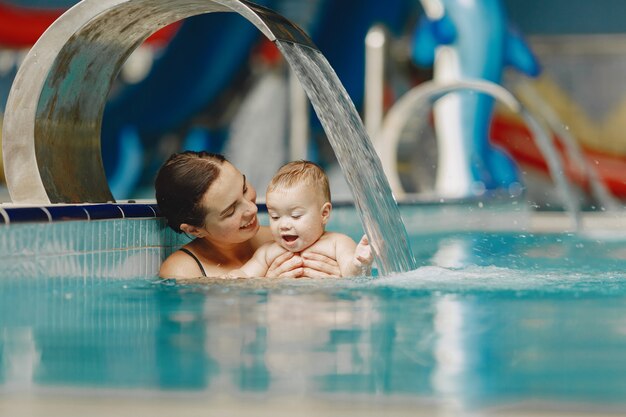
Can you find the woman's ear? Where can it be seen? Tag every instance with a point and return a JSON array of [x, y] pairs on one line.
[[326, 209], [192, 230]]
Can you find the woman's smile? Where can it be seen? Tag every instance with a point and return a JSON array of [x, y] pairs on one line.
[[250, 224]]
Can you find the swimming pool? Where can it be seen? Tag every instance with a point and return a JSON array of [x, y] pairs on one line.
[[499, 319]]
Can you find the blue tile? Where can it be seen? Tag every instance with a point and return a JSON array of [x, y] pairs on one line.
[[103, 211], [26, 214], [60, 213], [137, 210], [155, 207]]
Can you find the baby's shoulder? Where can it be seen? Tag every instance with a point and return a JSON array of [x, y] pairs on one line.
[[327, 244], [334, 237], [336, 243]]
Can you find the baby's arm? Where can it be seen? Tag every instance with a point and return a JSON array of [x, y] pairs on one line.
[[353, 259], [256, 267]]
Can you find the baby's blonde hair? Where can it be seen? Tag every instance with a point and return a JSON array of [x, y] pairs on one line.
[[301, 172]]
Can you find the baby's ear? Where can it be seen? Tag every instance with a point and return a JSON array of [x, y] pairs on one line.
[[326, 209], [192, 230]]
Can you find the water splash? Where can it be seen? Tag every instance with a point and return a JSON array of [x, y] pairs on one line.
[[356, 155]]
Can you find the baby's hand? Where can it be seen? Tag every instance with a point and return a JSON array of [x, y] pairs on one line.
[[363, 255]]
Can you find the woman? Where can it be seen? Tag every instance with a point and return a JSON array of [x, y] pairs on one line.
[[205, 196]]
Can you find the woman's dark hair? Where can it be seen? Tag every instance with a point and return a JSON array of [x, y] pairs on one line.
[[180, 184]]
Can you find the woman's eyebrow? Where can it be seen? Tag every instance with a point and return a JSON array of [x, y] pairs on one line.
[[227, 209]]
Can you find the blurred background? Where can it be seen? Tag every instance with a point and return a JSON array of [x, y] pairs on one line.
[[234, 94]]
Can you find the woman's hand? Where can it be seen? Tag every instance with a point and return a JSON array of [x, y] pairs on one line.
[[316, 265], [307, 264], [286, 265]]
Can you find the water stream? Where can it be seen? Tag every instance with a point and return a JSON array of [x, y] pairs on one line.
[[356, 155]]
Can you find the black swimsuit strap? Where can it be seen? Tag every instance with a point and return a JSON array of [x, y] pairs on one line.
[[195, 258]]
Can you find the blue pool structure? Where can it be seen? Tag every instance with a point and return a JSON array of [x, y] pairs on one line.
[[506, 310]]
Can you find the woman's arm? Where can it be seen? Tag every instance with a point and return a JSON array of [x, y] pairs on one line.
[[287, 265]]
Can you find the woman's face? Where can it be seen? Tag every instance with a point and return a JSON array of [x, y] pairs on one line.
[[230, 206]]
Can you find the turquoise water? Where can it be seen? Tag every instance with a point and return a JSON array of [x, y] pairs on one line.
[[487, 319]]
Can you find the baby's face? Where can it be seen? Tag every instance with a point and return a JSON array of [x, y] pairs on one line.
[[297, 216]]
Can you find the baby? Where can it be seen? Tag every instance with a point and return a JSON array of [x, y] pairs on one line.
[[298, 204]]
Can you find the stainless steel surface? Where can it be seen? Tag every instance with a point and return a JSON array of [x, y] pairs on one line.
[[416, 103], [51, 136]]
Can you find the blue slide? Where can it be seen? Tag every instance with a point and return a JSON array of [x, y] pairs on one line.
[[200, 62], [340, 35]]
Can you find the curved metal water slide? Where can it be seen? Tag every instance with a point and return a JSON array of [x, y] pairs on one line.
[[54, 111]]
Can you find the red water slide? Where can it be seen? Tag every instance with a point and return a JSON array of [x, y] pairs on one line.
[[517, 140]]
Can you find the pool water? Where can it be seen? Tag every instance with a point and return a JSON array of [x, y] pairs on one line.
[[488, 319]]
